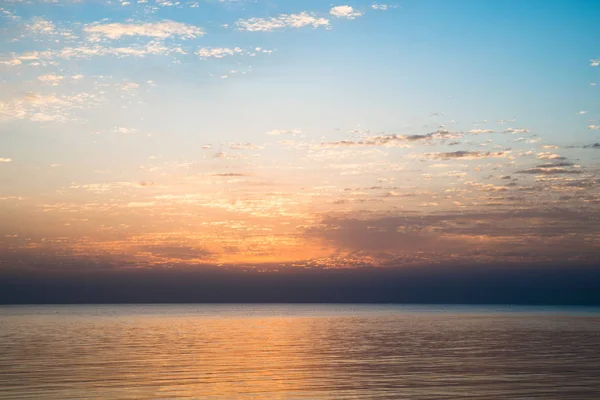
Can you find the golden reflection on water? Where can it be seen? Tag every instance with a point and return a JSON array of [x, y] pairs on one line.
[[267, 352]]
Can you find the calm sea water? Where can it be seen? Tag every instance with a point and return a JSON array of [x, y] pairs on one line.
[[298, 351]]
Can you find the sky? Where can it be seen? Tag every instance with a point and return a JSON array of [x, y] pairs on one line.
[[265, 135]]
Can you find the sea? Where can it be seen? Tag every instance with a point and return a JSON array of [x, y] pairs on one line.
[[254, 351]]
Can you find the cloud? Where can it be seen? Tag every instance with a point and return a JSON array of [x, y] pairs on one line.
[[282, 21], [51, 79], [243, 146], [513, 130], [344, 12], [86, 52], [393, 140], [284, 132], [46, 107], [41, 26], [592, 146], [550, 156], [478, 131], [218, 52], [178, 253], [160, 30], [595, 62], [595, 127], [382, 7], [554, 165], [123, 130], [549, 171], [11, 63], [465, 155], [231, 174], [5, 160]]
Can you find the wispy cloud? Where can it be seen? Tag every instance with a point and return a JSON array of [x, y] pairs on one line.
[[159, 30], [466, 155], [549, 171], [382, 7], [218, 52], [393, 140], [284, 132], [282, 21], [85, 52], [41, 26], [51, 79]]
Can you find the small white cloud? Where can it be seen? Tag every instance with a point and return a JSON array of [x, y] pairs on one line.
[[383, 7], [478, 131], [513, 130], [284, 132], [595, 63], [282, 21], [11, 63], [549, 156], [218, 52], [123, 130], [129, 86], [595, 127], [51, 79], [41, 26], [5, 160], [161, 30], [582, 112], [344, 12]]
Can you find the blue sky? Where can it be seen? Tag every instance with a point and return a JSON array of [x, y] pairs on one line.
[[128, 126]]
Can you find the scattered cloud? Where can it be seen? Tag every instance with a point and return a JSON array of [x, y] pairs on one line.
[[41, 26], [513, 130], [51, 79], [243, 146], [231, 174], [466, 155], [479, 131], [218, 52], [282, 21], [5, 160], [549, 171], [393, 140], [383, 7], [160, 30], [550, 156], [284, 132], [344, 12], [86, 52]]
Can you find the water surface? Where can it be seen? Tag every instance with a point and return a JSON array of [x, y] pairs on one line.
[[298, 351]]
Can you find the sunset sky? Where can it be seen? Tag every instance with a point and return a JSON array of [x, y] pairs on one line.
[[298, 133]]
